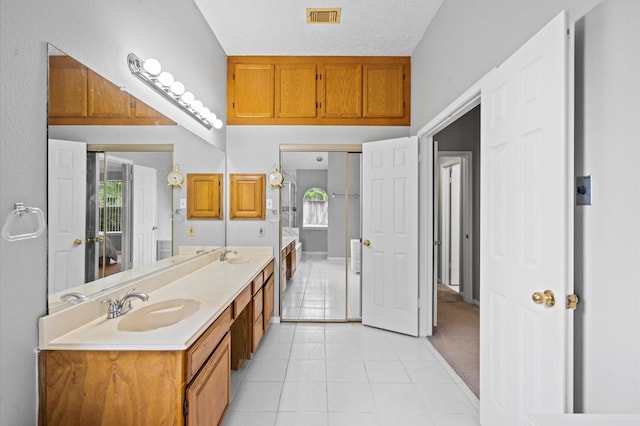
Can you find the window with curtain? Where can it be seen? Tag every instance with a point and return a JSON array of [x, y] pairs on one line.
[[315, 208]]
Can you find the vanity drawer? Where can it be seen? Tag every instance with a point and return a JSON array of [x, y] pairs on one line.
[[198, 353], [257, 305], [268, 271], [258, 281], [242, 301]]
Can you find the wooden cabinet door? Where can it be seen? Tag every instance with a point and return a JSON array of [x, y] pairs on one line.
[[383, 90], [208, 394], [253, 94], [247, 196], [204, 196], [105, 99], [268, 303], [296, 90], [342, 89], [67, 87]]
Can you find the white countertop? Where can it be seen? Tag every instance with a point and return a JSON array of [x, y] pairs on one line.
[[214, 286]]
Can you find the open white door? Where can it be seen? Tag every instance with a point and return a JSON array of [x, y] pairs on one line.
[[527, 231], [145, 215], [390, 237], [67, 163]]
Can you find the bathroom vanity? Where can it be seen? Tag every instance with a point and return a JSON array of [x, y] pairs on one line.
[[168, 360]]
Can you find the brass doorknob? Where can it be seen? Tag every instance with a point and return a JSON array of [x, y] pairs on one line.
[[547, 298], [366, 243], [77, 242]]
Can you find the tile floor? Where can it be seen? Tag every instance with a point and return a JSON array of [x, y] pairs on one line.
[[317, 290], [347, 374]]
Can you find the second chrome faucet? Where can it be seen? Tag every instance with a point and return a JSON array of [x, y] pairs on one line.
[[122, 306]]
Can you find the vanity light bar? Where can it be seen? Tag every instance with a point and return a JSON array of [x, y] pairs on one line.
[[149, 72]]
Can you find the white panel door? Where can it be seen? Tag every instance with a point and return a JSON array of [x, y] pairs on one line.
[[145, 215], [390, 235], [526, 231], [67, 164]]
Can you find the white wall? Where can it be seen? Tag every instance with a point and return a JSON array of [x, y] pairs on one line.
[[100, 35], [466, 39], [608, 231]]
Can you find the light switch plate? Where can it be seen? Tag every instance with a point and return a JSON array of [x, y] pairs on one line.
[[269, 203], [183, 203]]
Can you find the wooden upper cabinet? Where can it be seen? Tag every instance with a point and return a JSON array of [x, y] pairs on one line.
[[79, 96], [247, 196], [67, 87], [342, 84], [319, 90], [383, 90], [204, 196], [296, 90], [253, 90]]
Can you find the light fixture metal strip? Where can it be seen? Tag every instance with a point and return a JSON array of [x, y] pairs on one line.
[[136, 68]]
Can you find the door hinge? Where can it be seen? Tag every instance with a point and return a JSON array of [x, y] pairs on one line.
[[572, 301], [185, 408]]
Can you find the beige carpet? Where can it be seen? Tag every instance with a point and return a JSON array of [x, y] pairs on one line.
[[457, 337]]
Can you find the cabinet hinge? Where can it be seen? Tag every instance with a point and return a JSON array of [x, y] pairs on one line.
[[233, 77], [320, 76], [404, 105], [185, 408], [233, 105], [404, 77]]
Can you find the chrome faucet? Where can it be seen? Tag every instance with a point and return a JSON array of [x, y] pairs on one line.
[[223, 256], [122, 306]]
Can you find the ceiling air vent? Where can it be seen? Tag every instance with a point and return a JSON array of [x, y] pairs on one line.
[[324, 15]]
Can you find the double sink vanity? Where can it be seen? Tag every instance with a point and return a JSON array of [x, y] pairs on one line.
[[168, 359]]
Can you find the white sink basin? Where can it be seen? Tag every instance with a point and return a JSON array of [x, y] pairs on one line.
[[158, 315], [239, 259]]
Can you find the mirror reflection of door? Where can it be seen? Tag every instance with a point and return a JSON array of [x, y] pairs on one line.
[[120, 205], [320, 238]]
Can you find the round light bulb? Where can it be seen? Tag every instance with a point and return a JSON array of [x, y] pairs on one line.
[[177, 88], [211, 117], [217, 123], [152, 66], [165, 79], [197, 106], [187, 98], [204, 112]]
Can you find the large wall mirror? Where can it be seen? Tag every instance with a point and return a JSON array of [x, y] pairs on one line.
[[112, 216]]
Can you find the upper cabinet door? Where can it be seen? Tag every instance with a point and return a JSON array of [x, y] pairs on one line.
[[296, 94], [342, 84], [253, 94], [247, 196], [67, 87], [106, 99], [383, 90]]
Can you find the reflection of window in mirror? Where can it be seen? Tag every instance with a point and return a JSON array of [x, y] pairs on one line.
[[315, 208]]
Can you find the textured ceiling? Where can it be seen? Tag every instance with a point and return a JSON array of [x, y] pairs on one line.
[[278, 27]]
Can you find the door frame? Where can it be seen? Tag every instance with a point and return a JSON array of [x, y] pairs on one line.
[[427, 256], [466, 249]]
